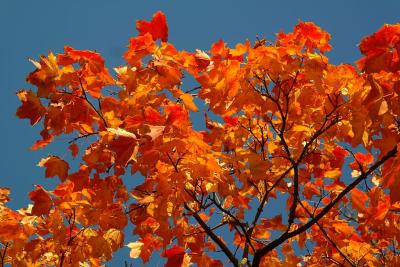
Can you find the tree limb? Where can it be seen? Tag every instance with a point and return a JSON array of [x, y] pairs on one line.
[[285, 236], [214, 237]]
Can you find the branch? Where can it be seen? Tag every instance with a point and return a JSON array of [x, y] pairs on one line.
[[285, 236], [237, 222], [214, 237], [90, 103], [292, 213], [327, 236], [3, 255], [82, 136]]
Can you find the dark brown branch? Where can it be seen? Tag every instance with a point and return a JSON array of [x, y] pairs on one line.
[[91, 104], [292, 212], [175, 164], [214, 237], [237, 223], [82, 136], [285, 236], [346, 258], [265, 197], [3, 255], [193, 89]]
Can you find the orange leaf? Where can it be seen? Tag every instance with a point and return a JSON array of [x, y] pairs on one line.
[[188, 101], [138, 48], [42, 201], [358, 199], [31, 108], [55, 167], [64, 189], [44, 75], [4, 192]]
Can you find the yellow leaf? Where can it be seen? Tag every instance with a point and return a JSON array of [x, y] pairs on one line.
[[333, 173], [114, 237], [301, 128]]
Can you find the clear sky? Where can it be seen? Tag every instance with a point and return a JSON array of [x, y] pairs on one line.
[[30, 28]]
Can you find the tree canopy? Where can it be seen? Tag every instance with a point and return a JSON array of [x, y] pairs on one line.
[[281, 125]]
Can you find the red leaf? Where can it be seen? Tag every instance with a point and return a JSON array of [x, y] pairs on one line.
[[364, 159], [381, 50], [340, 153], [232, 121], [157, 27], [125, 149], [153, 116], [176, 113], [175, 256], [74, 149]]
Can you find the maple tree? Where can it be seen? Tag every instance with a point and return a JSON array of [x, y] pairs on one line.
[[288, 127]]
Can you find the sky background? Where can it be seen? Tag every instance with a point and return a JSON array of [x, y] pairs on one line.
[[31, 28]]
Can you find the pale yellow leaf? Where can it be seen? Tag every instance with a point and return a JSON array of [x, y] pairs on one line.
[[35, 63], [136, 249], [155, 131], [121, 132], [383, 108]]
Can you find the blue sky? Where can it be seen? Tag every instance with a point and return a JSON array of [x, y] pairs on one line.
[[31, 28]]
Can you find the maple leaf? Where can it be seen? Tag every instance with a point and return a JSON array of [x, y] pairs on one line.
[[188, 101], [45, 74], [4, 192], [381, 50], [176, 256], [157, 27], [233, 121], [125, 148], [93, 75], [31, 108], [55, 167], [74, 149], [306, 34], [138, 48], [135, 249], [42, 201]]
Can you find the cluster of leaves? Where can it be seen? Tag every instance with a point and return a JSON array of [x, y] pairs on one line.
[[290, 126]]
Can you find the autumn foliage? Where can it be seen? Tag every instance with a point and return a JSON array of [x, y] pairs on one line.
[[281, 127]]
